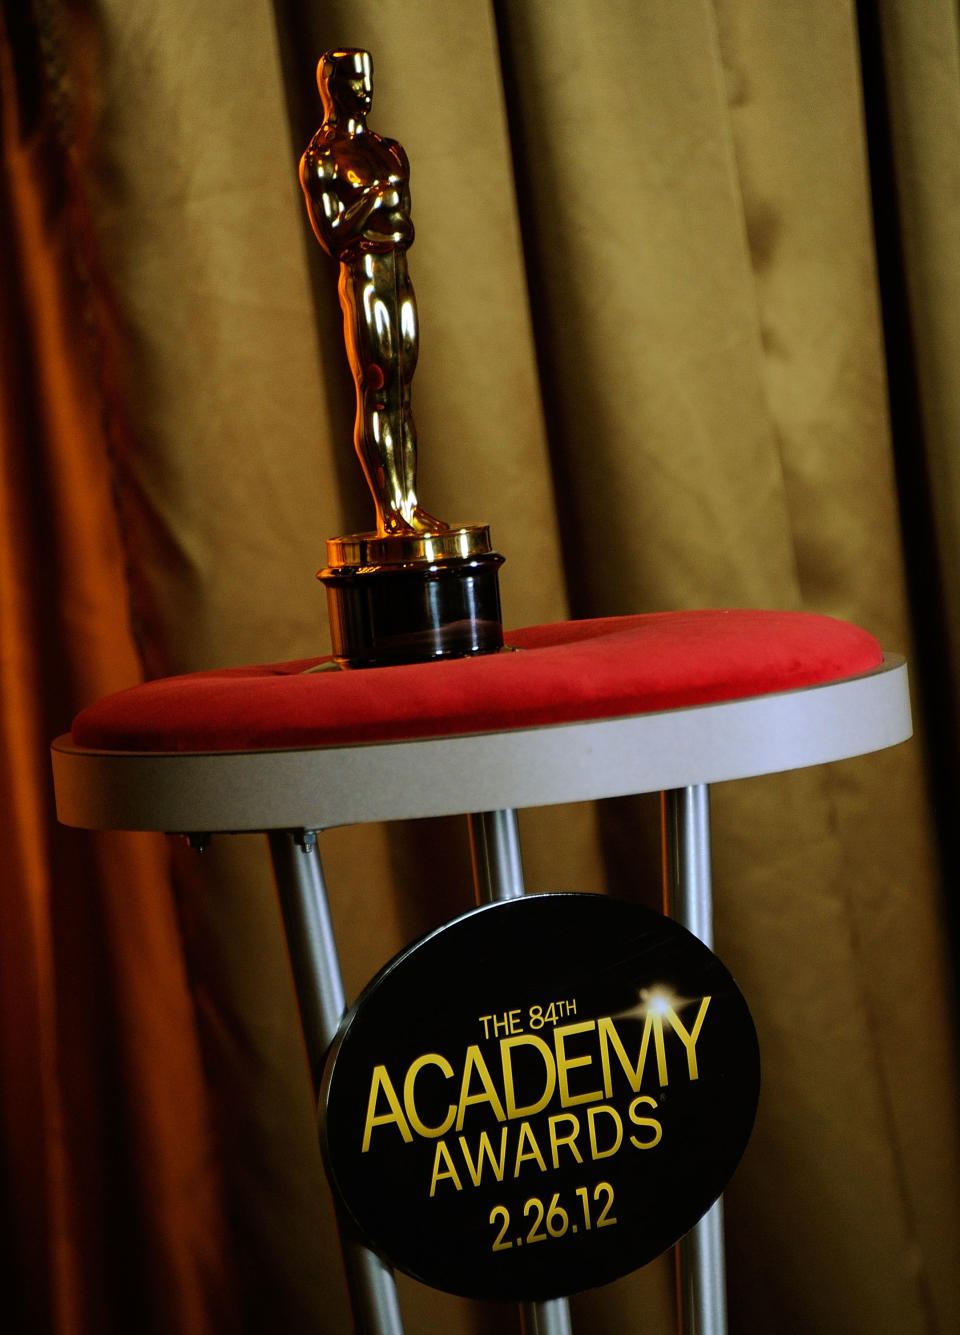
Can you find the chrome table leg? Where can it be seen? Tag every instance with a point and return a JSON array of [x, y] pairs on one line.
[[319, 987], [688, 898], [498, 874]]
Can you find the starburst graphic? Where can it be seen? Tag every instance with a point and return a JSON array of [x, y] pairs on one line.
[[659, 1000]]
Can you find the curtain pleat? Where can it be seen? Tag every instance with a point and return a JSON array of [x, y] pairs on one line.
[[112, 1199], [652, 359], [920, 54]]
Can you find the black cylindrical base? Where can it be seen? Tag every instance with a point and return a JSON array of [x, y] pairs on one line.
[[414, 612]]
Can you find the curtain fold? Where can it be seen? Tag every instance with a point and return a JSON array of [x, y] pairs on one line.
[[923, 123], [912, 122], [652, 358], [112, 1198]]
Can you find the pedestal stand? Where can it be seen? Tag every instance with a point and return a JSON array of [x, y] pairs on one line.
[[403, 599], [120, 772]]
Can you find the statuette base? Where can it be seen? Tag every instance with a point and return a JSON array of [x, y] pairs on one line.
[[412, 598]]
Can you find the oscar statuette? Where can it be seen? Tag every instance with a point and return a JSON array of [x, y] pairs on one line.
[[416, 588]]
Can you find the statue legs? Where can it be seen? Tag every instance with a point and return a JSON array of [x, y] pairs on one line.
[[380, 323]]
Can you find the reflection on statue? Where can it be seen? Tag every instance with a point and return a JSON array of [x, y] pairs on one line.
[[358, 198]]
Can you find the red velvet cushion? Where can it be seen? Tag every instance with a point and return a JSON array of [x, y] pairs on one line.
[[566, 672]]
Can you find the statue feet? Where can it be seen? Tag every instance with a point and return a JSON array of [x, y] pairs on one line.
[[425, 523], [393, 523]]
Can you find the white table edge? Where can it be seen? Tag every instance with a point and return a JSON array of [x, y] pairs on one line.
[[321, 787]]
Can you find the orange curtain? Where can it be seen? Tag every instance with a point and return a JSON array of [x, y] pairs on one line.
[[653, 334], [112, 1197]]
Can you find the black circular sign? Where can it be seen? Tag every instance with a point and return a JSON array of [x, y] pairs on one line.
[[539, 1097]]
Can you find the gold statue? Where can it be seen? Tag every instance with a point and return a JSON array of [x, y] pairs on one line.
[[358, 198]]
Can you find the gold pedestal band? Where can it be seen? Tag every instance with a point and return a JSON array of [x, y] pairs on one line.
[[368, 550]]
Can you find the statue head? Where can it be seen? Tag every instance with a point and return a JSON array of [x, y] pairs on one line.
[[345, 80]]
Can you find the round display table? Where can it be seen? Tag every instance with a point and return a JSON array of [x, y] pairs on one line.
[[568, 712]]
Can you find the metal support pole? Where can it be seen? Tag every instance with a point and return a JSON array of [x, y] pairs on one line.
[[495, 853], [319, 987], [688, 898], [549, 1318], [498, 874]]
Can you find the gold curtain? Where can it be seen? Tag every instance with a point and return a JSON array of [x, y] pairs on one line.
[[653, 359]]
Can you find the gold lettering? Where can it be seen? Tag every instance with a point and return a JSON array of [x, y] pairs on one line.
[[526, 1134], [650, 1122], [557, 1140], [443, 1154], [657, 1019], [609, 1037], [380, 1080], [474, 1062], [592, 1115], [689, 1041], [485, 1149], [565, 1063], [506, 1048], [421, 1128]]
